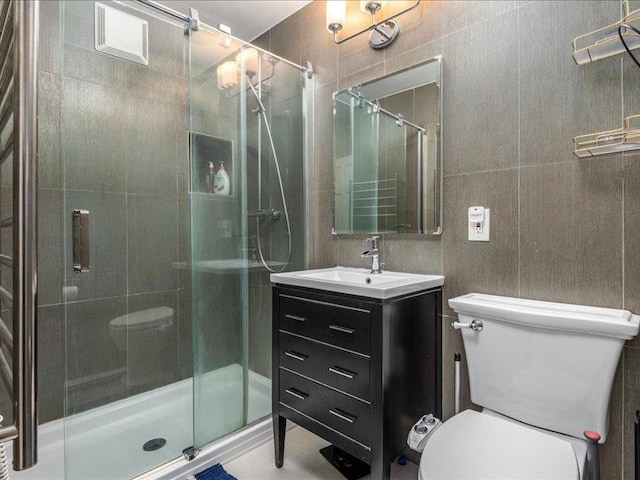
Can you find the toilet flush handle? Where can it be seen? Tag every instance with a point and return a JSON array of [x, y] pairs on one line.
[[475, 325]]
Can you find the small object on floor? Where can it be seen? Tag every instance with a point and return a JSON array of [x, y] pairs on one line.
[[215, 473], [402, 460], [349, 466]]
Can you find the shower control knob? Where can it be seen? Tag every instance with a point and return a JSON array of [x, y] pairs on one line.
[[421, 428]]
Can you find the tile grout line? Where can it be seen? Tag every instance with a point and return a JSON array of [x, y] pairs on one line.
[[623, 203], [519, 155], [622, 259], [487, 20], [622, 446]]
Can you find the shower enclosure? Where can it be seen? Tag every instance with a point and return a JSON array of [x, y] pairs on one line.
[[157, 287]]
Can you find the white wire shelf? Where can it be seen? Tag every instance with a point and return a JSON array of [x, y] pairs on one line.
[[623, 139], [605, 42]]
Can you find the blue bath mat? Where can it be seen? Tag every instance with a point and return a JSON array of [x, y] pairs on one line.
[[215, 473]]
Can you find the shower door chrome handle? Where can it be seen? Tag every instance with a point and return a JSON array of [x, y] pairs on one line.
[[80, 240]]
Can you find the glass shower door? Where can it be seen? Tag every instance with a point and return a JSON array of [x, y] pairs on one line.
[[246, 112], [128, 388], [217, 155]]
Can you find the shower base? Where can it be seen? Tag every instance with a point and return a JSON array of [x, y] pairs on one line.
[[106, 442]]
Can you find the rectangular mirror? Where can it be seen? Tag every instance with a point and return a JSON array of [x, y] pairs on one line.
[[387, 153]]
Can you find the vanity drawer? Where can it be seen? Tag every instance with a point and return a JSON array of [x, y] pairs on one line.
[[345, 327], [340, 412], [342, 370]]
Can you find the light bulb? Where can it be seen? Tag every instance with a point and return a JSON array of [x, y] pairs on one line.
[[248, 60], [336, 14]]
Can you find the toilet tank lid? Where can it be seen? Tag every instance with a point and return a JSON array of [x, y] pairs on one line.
[[605, 322], [146, 317]]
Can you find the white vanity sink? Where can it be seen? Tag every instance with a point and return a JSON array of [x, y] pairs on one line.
[[359, 281]]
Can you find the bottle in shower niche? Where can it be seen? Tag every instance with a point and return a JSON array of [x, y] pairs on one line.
[[209, 179], [221, 183]]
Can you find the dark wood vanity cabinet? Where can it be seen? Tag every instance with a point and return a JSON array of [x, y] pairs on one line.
[[356, 371]]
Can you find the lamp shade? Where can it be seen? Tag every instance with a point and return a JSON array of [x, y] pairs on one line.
[[248, 60], [227, 75], [336, 14]]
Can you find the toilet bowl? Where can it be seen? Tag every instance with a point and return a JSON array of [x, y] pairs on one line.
[[145, 338], [489, 447], [543, 374]]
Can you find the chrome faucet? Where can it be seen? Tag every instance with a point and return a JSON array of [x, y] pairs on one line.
[[374, 253]]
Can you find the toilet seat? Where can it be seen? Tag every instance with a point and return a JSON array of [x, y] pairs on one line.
[[142, 319], [479, 446]]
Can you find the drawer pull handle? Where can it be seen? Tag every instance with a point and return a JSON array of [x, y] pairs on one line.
[[342, 415], [296, 317], [341, 371], [297, 393], [296, 356], [342, 329]]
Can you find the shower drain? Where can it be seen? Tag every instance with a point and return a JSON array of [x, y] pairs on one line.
[[154, 444]]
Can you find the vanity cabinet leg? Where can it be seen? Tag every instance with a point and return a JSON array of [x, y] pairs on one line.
[[279, 429], [381, 466]]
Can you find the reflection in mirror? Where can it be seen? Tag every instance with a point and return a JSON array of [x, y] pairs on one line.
[[387, 158]]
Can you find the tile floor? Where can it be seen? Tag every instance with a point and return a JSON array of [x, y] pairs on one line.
[[302, 461]]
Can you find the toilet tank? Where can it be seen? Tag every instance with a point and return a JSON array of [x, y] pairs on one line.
[[546, 364]]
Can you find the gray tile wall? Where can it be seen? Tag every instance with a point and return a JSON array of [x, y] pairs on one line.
[[513, 101]]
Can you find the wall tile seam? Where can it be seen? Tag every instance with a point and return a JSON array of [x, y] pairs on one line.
[[424, 46], [341, 78], [482, 172], [118, 86], [487, 20], [519, 142], [571, 162], [48, 305], [622, 239], [171, 196], [622, 401], [46, 70], [113, 297]]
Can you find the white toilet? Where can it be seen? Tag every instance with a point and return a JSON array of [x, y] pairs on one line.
[[145, 337], [543, 374]]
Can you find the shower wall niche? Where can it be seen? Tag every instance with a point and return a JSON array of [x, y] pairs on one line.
[[206, 149]]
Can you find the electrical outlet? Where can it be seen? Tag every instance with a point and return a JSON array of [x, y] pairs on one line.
[[479, 226]]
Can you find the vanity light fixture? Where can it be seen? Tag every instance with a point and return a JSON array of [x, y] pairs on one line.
[[247, 60], [250, 62], [383, 32], [227, 74]]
